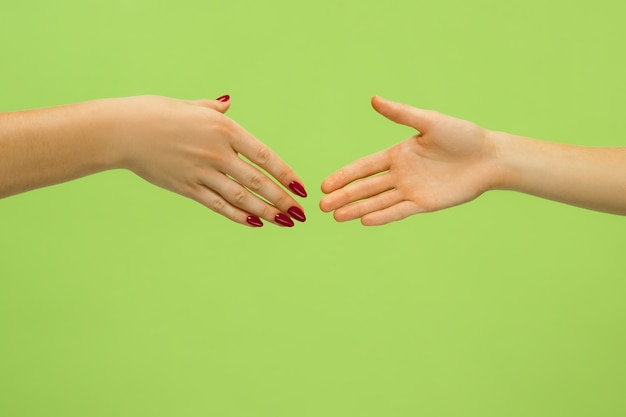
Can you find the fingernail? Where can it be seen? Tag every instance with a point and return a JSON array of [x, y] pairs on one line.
[[254, 221], [283, 220], [297, 214], [297, 188], [223, 98]]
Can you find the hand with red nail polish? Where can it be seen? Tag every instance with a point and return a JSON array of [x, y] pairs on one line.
[[283, 220], [194, 149], [188, 147]]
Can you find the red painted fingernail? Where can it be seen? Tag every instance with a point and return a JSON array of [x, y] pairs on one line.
[[297, 188], [283, 220], [254, 221], [297, 213], [223, 98]]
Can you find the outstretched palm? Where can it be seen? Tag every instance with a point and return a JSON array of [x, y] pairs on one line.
[[446, 164]]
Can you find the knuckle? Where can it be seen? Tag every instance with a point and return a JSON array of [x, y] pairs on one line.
[[256, 182], [217, 204], [268, 212], [221, 126], [190, 190], [282, 201], [343, 176], [240, 196], [216, 157], [227, 132], [358, 211], [263, 155], [284, 176], [205, 103], [347, 194]]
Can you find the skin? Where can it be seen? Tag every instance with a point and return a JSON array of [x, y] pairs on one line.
[[188, 147], [451, 161]]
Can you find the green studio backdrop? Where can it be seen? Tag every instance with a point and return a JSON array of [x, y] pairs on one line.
[[121, 299]]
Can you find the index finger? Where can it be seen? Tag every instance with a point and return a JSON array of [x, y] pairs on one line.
[[361, 168], [263, 156]]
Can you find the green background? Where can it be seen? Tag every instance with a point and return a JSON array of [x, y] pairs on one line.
[[118, 298]]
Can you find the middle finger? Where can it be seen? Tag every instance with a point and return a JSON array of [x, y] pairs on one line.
[[256, 181]]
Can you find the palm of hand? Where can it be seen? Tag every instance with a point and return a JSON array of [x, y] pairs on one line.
[[444, 167], [447, 164]]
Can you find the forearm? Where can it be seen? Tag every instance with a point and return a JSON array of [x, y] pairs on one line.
[[49, 146], [589, 177]]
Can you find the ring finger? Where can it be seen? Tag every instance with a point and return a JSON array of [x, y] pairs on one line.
[[359, 190], [256, 181], [218, 204], [240, 197], [361, 208]]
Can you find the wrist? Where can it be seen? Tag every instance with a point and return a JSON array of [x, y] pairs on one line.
[[520, 162], [104, 124], [504, 152]]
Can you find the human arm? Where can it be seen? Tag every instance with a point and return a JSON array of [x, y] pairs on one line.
[[452, 161], [188, 147]]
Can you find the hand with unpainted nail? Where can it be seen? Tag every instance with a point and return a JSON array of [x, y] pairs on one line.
[[446, 163], [450, 161]]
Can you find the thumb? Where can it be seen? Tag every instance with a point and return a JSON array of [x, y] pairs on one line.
[[221, 104], [403, 114]]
